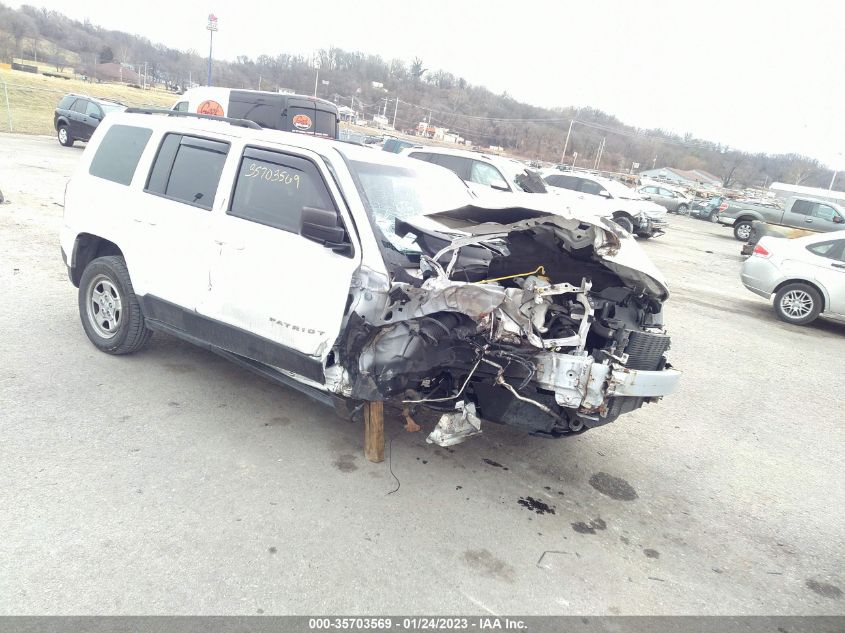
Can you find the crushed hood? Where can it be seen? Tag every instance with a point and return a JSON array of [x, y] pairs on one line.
[[615, 249]]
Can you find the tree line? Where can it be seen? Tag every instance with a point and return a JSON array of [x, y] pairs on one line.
[[371, 84]]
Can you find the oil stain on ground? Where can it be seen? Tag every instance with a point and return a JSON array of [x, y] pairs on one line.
[[490, 462], [345, 463], [824, 589], [591, 527], [613, 487], [651, 553], [481, 560], [540, 507]]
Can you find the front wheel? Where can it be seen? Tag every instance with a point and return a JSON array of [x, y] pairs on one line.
[[683, 209], [798, 303], [64, 136], [110, 312], [625, 222], [742, 230]]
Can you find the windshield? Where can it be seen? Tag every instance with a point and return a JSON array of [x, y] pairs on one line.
[[112, 107], [618, 190], [391, 191]]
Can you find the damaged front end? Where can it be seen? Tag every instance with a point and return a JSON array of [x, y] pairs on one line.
[[550, 324]]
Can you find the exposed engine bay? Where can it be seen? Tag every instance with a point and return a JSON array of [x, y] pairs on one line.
[[548, 323]]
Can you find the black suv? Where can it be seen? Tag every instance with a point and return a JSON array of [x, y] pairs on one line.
[[77, 117]]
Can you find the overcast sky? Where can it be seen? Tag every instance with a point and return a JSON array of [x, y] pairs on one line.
[[758, 76]]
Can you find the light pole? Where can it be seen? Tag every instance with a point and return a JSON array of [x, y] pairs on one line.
[[835, 171], [211, 27]]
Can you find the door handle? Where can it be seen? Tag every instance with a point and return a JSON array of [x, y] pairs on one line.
[[232, 245], [809, 220]]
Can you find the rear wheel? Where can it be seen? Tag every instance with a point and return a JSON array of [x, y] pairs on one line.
[[798, 303], [64, 136], [109, 309], [683, 209], [742, 230]]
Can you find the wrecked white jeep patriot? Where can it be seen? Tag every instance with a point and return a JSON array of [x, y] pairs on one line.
[[355, 275]]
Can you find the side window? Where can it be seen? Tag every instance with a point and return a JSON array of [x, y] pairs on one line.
[[182, 106], [118, 153], [272, 188], [92, 109], [66, 102], [187, 169], [485, 174], [553, 180], [588, 186], [457, 164], [80, 106], [421, 156], [824, 212], [802, 207], [567, 182], [832, 249]]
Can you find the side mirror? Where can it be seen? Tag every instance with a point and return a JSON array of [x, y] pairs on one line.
[[646, 196], [323, 227], [837, 219], [97, 116], [604, 193], [499, 185]]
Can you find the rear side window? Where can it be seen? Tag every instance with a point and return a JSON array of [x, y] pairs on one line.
[[421, 156], [803, 207], [831, 250], [118, 153], [272, 188], [66, 102], [187, 169], [456, 163]]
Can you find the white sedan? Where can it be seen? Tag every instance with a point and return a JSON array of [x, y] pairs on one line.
[[806, 275]]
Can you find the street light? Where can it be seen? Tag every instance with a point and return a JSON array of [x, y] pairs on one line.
[[211, 27]]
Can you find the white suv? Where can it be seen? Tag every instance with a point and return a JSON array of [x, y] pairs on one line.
[[359, 276]]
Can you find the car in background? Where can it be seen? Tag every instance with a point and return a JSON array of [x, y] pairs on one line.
[[77, 116], [809, 214], [806, 275], [710, 209], [482, 172], [673, 201], [630, 210]]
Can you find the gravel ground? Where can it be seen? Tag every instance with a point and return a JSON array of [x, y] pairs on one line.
[[172, 482]]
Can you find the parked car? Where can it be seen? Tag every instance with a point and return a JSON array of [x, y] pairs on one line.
[[77, 116], [278, 111], [480, 171], [709, 209], [630, 209], [489, 174], [358, 276], [799, 212], [806, 275], [673, 201]]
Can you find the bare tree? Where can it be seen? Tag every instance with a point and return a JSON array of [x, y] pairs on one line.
[[20, 26]]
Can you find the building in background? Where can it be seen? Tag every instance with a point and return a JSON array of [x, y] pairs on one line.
[[686, 178], [783, 190]]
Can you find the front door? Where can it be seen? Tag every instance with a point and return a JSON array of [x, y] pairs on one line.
[[829, 263], [282, 296]]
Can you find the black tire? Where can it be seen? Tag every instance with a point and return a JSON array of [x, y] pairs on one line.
[[64, 135], [625, 222], [742, 230], [798, 303], [644, 236], [682, 209], [108, 278]]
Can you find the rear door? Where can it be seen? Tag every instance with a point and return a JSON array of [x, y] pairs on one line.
[[281, 296], [828, 259], [174, 214], [76, 119]]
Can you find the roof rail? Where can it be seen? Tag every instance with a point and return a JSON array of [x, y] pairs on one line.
[[194, 115]]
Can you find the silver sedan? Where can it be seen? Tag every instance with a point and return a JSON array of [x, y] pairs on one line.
[[806, 275]]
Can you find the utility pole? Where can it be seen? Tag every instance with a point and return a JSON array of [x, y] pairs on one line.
[[316, 79], [396, 110], [654, 163], [566, 143], [211, 27], [832, 180]]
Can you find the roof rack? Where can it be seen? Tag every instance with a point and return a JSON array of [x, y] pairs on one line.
[[194, 115]]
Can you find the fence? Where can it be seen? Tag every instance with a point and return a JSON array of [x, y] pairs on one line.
[[27, 102]]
